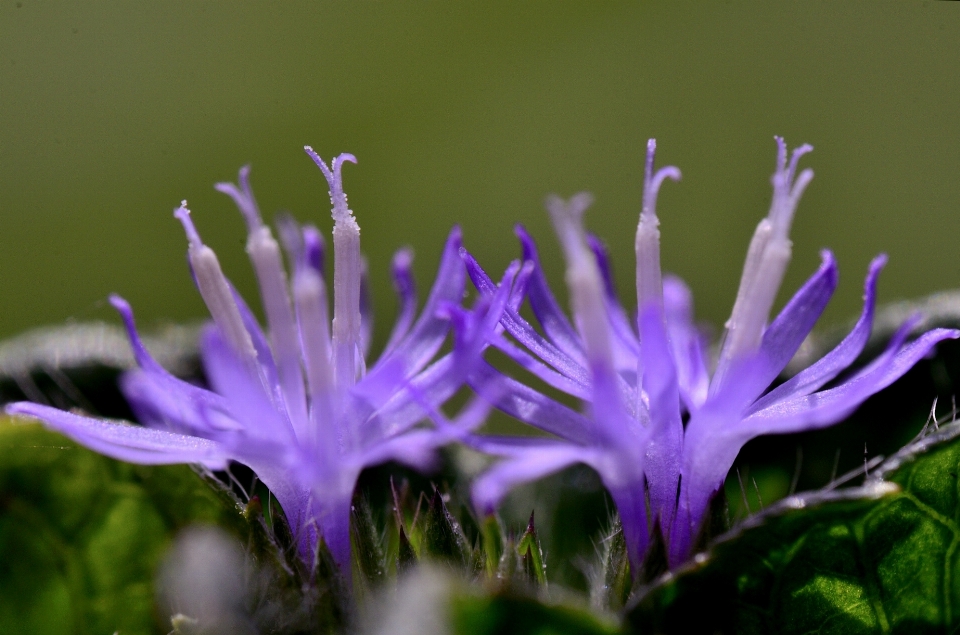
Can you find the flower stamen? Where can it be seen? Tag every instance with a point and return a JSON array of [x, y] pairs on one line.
[[215, 291], [647, 245], [347, 274], [767, 259], [267, 263]]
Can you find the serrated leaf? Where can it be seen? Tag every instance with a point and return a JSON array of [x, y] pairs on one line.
[[874, 559]]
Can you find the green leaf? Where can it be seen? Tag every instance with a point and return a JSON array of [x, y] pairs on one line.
[[510, 613], [81, 535], [874, 559], [492, 544]]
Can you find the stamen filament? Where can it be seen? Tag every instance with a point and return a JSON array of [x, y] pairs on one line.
[[583, 276], [767, 259], [215, 291], [267, 263], [346, 274], [647, 245], [311, 301]]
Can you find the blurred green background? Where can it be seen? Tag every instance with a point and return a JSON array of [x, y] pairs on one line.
[[468, 113]]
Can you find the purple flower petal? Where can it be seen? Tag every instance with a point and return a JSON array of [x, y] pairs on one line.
[[543, 372], [522, 331], [530, 406], [662, 464], [837, 360], [407, 293], [492, 486], [427, 334], [554, 322], [247, 400], [126, 442], [807, 412], [626, 345], [784, 336], [159, 403], [162, 399], [416, 449], [689, 349]]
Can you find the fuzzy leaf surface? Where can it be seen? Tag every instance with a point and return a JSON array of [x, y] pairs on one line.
[[881, 558]]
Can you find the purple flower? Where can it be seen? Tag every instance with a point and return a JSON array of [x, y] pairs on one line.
[[641, 380], [299, 406]]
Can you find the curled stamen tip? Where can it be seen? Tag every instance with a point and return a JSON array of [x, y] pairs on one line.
[[671, 172], [402, 259], [182, 214], [121, 305], [565, 213], [126, 314], [343, 157]]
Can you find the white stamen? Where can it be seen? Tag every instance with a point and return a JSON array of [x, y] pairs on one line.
[[243, 197], [215, 291], [310, 296], [346, 274], [583, 275], [267, 263], [647, 245], [767, 259]]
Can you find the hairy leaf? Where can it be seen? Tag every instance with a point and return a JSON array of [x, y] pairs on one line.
[[879, 558]]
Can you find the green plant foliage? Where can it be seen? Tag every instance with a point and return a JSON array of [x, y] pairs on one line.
[[81, 535], [879, 558], [531, 555], [442, 535], [508, 614]]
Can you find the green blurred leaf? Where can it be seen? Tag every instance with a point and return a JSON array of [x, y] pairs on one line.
[[874, 559], [491, 543], [81, 535], [508, 614]]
